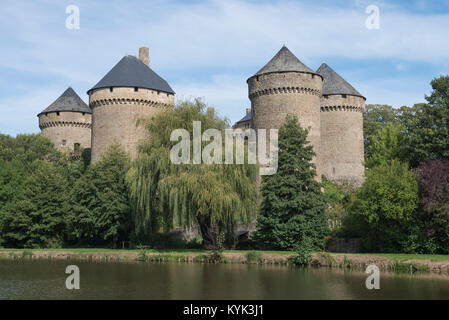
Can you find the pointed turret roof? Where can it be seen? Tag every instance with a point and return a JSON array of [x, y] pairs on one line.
[[131, 72], [69, 101], [284, 61], [333, 83]]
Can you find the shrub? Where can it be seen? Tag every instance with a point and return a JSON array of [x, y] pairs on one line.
[[253, 256]]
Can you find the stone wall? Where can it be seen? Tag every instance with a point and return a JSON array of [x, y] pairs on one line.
[[116, 113], [68, 127], [342, 149], [274, 95]]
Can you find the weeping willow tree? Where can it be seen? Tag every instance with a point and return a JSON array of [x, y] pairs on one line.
[[216, 197]]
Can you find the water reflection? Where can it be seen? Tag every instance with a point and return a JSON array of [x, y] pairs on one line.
[[46, 280]]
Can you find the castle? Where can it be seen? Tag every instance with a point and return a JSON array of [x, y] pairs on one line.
[[326, 104]]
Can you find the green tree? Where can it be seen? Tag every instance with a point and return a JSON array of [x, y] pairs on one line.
[[100, 208], [36, 216], [293, 206], [375, 117], [386, 145], [383, 211], [216, 197], [427, 125]]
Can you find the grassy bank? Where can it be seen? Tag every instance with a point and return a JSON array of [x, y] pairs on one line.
[[385, 261]]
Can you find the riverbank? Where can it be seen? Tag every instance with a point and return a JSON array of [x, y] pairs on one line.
[[389, 262]]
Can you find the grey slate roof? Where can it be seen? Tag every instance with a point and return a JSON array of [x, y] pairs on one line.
[[284, 61], [131, 72], [333, 83], [247, 117], [68, 101]]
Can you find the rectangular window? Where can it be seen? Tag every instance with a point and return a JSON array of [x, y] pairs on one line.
[[64, 142], [136, 89]]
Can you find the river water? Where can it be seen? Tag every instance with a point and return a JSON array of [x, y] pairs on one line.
[[41, 279]]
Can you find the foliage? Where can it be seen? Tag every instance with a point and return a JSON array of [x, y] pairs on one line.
[[303, 252], [253, 256], [428, 125], [338, 197], [293, 206], [383, 210], [375, 118], [386, 145], [35, 217], [166, 194], [100, 209], [434, 202]]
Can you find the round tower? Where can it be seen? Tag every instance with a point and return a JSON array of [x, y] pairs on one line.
[[342, 149], [131, 91], [285, 85], [67, 122]]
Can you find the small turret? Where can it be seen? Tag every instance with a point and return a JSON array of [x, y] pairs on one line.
[[67, 122], [342, 147]]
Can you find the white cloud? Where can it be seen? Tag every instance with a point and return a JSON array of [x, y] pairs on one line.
[[217, 36]]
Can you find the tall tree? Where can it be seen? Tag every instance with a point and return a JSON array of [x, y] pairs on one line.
[[293, 205], [375, 117], [434, 202], [386, 145], [36, 217], [216, 197], [383, 211], [428, 125], [101, 212]]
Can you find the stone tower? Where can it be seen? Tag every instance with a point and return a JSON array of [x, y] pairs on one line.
[[285, 85], [342, 110], [67, 122], [129, 92]]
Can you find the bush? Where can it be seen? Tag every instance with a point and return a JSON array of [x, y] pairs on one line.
[[303, 252], [253, 256]]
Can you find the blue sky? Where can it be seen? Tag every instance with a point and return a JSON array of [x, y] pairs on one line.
[[209, 48]]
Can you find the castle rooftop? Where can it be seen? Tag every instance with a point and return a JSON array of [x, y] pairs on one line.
[[333, 83], [69, 101], [284, 61], [132, 72]]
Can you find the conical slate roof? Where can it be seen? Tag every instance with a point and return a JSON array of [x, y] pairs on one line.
[[69, 101], [333, 83], [131, 72], [247, 117], [284, 61]]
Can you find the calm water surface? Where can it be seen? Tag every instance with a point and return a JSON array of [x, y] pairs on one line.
[[46, 280]]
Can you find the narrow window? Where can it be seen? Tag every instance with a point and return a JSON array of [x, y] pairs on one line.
[[64, 142], [57, 113], [110, 89], [158, 92], [257, 78], [136, 89], [84, 113]]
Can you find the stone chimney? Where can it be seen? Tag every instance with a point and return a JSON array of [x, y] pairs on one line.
[[211, 112], [144, 55], [248, 110]]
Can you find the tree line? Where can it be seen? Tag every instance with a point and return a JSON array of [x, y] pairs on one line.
[[50, 199]]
